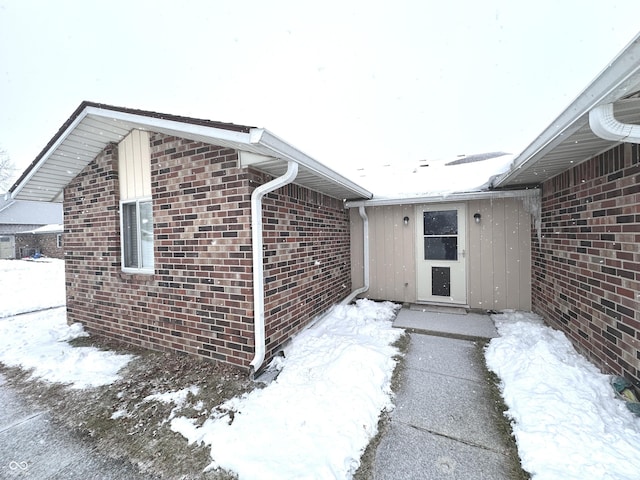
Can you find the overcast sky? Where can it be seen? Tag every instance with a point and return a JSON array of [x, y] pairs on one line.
[[350, 83]]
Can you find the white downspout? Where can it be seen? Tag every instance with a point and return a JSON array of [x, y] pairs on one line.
[[258, 258], [365, 255], [604, 124]]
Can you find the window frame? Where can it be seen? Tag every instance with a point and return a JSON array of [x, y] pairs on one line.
[[139, 270]]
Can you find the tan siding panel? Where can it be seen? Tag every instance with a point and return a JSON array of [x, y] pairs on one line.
[[357, 249], [499, 249], [134, 165], [499, 255], [474, 261], [391, 254], [524, 223]]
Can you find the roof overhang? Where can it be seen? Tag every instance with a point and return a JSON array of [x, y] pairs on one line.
[[569, 140], [444, 198], [93, 126]]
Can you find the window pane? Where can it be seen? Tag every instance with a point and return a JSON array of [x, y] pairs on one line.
[[130, 235], [441, 281], [146, 234], [441, 222], [441, 248]]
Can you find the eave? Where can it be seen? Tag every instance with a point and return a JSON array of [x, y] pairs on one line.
[[569, 140], [93, 126]]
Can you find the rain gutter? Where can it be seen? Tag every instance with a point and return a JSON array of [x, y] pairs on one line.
[[445, 197], [365, 257], [604, 124], [258, 259], [278, 148]]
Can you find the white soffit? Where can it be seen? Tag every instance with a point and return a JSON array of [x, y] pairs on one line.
[[571, 148], [95, 127], [569, 139]]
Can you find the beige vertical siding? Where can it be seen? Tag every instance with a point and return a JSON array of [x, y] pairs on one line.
[[499, 260], [134, 166], [357, 249], [392, 253], [499, 268]]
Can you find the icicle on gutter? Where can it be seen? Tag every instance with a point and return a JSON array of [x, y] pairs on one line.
[[533, 205]]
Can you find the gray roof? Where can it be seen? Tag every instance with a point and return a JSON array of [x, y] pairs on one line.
[[32, 214]]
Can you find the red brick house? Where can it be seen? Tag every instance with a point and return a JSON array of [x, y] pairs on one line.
[[162, 219], [163, 216], [30, 228], [45, 241], [586, 254]]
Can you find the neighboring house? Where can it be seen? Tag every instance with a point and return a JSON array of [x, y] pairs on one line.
[[45, 241], [30, 228], [163, 217]]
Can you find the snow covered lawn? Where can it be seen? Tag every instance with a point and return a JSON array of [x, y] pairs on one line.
[[38, 341], [26, 286], [567, 422]]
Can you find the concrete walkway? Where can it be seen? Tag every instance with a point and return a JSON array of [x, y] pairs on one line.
[[32, 446], [443, 426]]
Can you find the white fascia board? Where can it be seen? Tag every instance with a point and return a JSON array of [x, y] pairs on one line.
[[282, 149], [613, 83], [143, 122], [48, 153], [442, 198]]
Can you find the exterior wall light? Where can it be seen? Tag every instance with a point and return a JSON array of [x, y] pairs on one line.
[[406, 220], [477, 217]]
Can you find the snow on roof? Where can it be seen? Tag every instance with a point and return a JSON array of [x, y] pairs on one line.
[[428, 178], [53, 228]]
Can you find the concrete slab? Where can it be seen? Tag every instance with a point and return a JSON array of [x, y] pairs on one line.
[[412, 454], [470, 326], [446, 356], [450, 406]]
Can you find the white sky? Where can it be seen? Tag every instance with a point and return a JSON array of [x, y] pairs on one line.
[[348, 82]]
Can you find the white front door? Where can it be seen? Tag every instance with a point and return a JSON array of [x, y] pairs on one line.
[[441, 253]]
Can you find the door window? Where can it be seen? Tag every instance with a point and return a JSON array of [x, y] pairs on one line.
[[441, 235]]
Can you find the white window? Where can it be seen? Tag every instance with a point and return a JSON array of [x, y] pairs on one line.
[[136, 221], [59, 240], [137, 235]]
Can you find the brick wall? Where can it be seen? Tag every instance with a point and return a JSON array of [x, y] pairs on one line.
[[43, 243], [306, 241], [26, 245], [586, 268], [200, 299]]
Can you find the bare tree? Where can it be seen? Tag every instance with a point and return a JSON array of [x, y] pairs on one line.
[[7, 170]]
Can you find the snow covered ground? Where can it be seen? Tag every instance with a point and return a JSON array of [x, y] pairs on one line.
[[566, 419], [320, 412], [26, 286], [38, 340]]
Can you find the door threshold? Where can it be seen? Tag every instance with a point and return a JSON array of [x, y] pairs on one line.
[[440, 308]]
